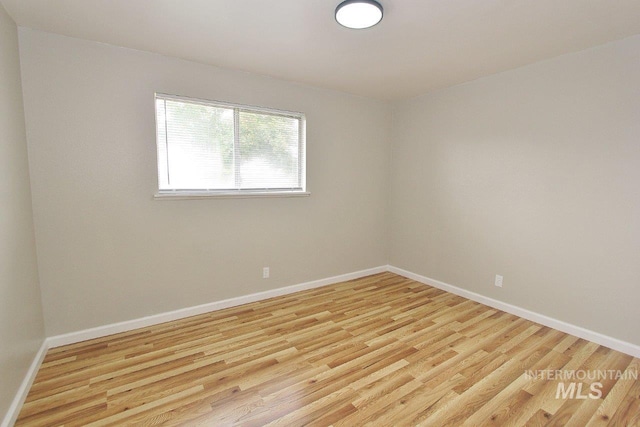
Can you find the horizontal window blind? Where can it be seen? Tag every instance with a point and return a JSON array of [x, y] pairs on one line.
[[216, 147]]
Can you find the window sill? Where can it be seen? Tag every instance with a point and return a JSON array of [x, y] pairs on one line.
[[186, 195]]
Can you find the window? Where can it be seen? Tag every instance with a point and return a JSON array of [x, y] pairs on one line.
[[213, 148]]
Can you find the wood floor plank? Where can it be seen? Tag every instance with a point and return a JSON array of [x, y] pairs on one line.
[[382, 350]]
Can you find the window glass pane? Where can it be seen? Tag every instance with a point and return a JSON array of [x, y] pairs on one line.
[[163, 172], [198, 145], [215, 146], [268, 151]]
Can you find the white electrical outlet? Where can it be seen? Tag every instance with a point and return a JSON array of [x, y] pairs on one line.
[[265, 273], [498, 280]]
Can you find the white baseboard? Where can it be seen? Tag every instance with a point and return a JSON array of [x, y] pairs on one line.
[[596, 337], [114, 328], [14, 409]]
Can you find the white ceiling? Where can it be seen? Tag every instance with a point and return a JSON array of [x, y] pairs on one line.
[[419, 46]]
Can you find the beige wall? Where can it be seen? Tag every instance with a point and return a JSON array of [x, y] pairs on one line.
[[109, 252], [21, 324], [533, 174]]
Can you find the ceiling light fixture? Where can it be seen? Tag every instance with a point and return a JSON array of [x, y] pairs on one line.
[[359, 14]]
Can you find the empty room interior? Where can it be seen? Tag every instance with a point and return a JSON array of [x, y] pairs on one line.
[[315, 212]]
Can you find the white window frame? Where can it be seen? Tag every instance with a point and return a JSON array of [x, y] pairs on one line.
[[234, 193]]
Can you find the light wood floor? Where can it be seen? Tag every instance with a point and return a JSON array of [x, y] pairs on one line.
[[382, 350]]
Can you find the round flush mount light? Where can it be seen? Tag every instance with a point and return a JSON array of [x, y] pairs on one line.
[[359, 14]]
